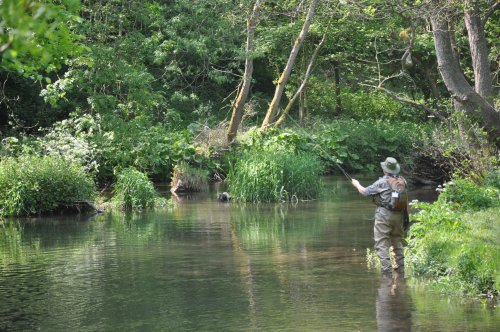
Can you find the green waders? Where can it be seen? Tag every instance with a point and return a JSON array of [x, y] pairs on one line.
[[387, 232]]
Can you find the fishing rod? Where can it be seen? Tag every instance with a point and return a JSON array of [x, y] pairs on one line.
[[342, 170], [328, 156]]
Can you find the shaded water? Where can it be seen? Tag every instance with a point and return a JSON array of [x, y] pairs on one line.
[[209, 266]]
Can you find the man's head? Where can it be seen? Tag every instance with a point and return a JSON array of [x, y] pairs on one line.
[[390, 166]]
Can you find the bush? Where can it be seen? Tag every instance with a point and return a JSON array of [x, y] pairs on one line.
[[32, 185], [492, 178], [355, 144], [133, 190], [458, 251], [270, 176], [470, 196], [188, 178], [458, 149], [377, 105]]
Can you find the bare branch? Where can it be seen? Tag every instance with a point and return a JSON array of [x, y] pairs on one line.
[[490, 12], [410, 102]]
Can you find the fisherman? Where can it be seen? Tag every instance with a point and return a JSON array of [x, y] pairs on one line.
[[388, 228]]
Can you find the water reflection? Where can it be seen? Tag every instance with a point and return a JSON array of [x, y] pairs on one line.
[[209, 266], [393, 305]]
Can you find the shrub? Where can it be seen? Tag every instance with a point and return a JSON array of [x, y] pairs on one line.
[[376, 105], [355, 144], [188, 178], [270, 176], [459, 149], [470, 196], [33, 185], [492, 178], [133, 190], [456, 250]]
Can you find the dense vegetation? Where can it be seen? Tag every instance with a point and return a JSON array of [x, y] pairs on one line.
[[133, 190], [126, 92], [455, 241], [31, 185]]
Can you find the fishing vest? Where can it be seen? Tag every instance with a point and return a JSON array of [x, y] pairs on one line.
[[395, 197]]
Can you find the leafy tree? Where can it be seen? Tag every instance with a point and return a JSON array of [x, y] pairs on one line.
[[37, 37]]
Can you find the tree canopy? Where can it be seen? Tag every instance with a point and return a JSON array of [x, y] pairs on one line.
[[180, 62]]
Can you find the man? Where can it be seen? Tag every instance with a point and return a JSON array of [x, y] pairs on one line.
[[388, 228]]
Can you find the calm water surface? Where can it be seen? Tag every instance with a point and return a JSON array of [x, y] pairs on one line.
[[209, 266]]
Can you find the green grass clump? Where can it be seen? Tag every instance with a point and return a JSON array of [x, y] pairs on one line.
[[133, 190], [457, 250], [191, 179], [32, 185], [274, 176]]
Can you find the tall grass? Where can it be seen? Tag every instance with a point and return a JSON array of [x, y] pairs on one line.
[[274, 176], [188, 178], [133, 190], [32, 185]]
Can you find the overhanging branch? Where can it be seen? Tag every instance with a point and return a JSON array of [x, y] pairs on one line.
[[410, 102]]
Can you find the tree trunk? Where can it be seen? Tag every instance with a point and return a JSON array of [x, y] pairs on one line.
[[280, 87], [338, 100], [464, 96], [304, 82], [483, 82], [302, 106], [240, 100]]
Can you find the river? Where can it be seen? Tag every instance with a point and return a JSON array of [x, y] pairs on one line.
[[211, 266]]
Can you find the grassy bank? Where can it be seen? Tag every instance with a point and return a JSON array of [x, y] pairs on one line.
[[454, 244], [31, 185]]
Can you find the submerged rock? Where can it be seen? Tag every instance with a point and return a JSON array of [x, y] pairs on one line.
[[223, 197]]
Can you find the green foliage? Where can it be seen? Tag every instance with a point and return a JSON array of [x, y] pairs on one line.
[[133, 190], [38, 35], [355, 144], [191, 179], [458, 149], [469, 196], [362, 144], [274, 176], [32, 185], [492, 178], [376, 105], [458, 251], [102, 143]]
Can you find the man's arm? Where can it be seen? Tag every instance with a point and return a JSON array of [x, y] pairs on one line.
[[361, 189]]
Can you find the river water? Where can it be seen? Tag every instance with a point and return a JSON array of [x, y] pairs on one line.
[[210, 266]]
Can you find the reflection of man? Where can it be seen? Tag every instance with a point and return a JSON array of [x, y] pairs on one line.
[[393, 305]]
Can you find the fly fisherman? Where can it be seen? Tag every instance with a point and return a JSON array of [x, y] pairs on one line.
[[389, 194]]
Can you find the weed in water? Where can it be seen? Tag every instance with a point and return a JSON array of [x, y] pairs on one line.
[[275, 176], [133, 190], [189, 179]]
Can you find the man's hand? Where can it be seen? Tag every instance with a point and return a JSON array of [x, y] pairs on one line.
[[358, 186]]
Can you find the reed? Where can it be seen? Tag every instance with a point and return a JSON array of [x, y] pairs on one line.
[[133, 190], [274, 176]]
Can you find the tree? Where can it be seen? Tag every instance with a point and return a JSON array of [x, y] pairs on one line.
[[280, 86], [37, 36], [303, 84], [463, 94], [479, 50], [240, 100]]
